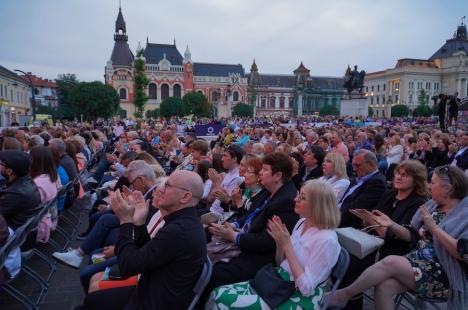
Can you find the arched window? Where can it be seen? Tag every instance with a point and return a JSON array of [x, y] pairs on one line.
[[153, 91], [123, 93], [214, 96], [164, 91], [200, 92], [235, 96], [177, 91], [263, 102]]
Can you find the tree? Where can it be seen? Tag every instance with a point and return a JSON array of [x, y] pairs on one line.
[[93, 100], [196, 103], [141, 82], [370, 111], [65, 83], [400, 110], [172, 106], [242, 109], [153, 113], [422, 109], [329, 110]]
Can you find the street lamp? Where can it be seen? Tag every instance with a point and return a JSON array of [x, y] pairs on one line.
[[33, 99]]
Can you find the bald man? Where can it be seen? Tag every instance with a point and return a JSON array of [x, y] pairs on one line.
[[170, 263]]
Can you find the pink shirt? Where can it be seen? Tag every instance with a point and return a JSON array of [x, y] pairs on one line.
[[47, 189], [342, 149]]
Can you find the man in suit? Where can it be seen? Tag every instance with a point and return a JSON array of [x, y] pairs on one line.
[[366, 191]]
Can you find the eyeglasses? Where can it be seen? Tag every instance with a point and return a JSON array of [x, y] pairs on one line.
[[134, 180], [167, 184], [446, 170], [402, 175]]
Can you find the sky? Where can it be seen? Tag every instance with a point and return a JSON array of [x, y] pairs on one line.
[[51, 37]]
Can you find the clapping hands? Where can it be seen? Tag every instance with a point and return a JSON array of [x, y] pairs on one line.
[[278, 231], [130, 207]]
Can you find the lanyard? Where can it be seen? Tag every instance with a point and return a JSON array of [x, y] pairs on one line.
[[255, 212]]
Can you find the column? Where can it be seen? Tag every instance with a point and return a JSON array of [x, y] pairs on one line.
[[458, 86], [286, 102], [299, 105], [276, 102], [171, 90], [158, 93]]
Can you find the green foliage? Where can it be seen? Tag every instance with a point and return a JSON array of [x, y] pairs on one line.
[[329, 110], [422, 110], [141, 82], [242, 109], [422, 97], [196, 103], [65, 82], [370, 111], [42, 109], [400, 110], [93, 100], [172, 106], [153, 113]]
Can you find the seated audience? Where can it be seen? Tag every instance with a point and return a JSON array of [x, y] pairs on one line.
[[313, 159], [334, 173]]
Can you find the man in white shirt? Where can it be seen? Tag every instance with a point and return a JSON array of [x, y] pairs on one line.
[[231, 159]]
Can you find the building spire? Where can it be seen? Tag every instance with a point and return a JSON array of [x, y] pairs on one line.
[[120, 23], [187, 55], [253, 68]]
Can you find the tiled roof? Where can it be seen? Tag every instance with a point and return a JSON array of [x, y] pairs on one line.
[[40, 82], [276, 80], [155, 52], [209, 69], [449, 48], [121, 54], [325, 82], [11, 75]]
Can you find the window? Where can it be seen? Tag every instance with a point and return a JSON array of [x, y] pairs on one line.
[[164, 91], [1, 90], [367, 89], [378, 87], [235, 96], [272, 102], [378, 100], [123, 94], [428, 85], [263, 101], [384, 86], [419, 85], [153, 91], [282, 102], [436, 85], [177, 90], [291, 101], [372, 88], [214, 96], [410, 99], [371, 100]]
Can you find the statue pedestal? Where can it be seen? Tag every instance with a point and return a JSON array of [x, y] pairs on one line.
[[354, 107]]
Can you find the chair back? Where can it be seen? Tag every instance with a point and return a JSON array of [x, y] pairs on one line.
[[7, 248], [202, 282], [338, 274]]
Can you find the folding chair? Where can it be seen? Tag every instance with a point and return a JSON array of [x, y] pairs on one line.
[[13, 243], [202, 282], [338, 274]]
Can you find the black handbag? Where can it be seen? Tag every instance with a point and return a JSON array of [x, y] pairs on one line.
[[271, 287]]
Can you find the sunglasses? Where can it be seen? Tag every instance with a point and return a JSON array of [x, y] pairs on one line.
[[446, 170]]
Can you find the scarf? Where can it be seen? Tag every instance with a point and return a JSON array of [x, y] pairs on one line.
[[456, 225]]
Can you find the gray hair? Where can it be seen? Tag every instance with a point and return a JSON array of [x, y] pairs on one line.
[[139, 168], [59, 145], [367, 155], [35, 140]]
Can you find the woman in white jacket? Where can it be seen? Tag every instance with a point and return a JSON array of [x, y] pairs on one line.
[[334, 173], [394, 154]]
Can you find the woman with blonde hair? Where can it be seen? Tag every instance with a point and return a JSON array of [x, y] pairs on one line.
[[306, 257], [334, 173]]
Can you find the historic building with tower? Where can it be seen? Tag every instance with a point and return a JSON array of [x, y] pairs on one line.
[[446, 71], [171, 74], [293, 94]]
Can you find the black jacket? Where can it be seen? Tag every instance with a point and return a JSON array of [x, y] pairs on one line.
[[170, 263], [401, 212], [20, 201], [315, 173], [366, 196]]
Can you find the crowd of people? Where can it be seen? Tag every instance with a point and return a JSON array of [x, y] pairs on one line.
[[263, 196]]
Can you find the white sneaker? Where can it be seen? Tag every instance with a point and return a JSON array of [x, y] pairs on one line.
[[72, 258]]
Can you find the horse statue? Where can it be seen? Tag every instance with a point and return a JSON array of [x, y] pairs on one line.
[[354, 80]]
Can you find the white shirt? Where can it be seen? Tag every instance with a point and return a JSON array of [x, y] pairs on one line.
[[317, 252], [339, 186], [230, 182], [395, 154]]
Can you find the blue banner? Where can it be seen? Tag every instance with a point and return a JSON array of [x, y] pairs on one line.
[[208, 130]]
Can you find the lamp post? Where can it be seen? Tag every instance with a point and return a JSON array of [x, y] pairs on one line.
[[33, 99]]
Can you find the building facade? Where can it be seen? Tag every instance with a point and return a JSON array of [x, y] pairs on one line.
[[45, 91], [15, 92], [295, 94], [446, 71], [171, 74]]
